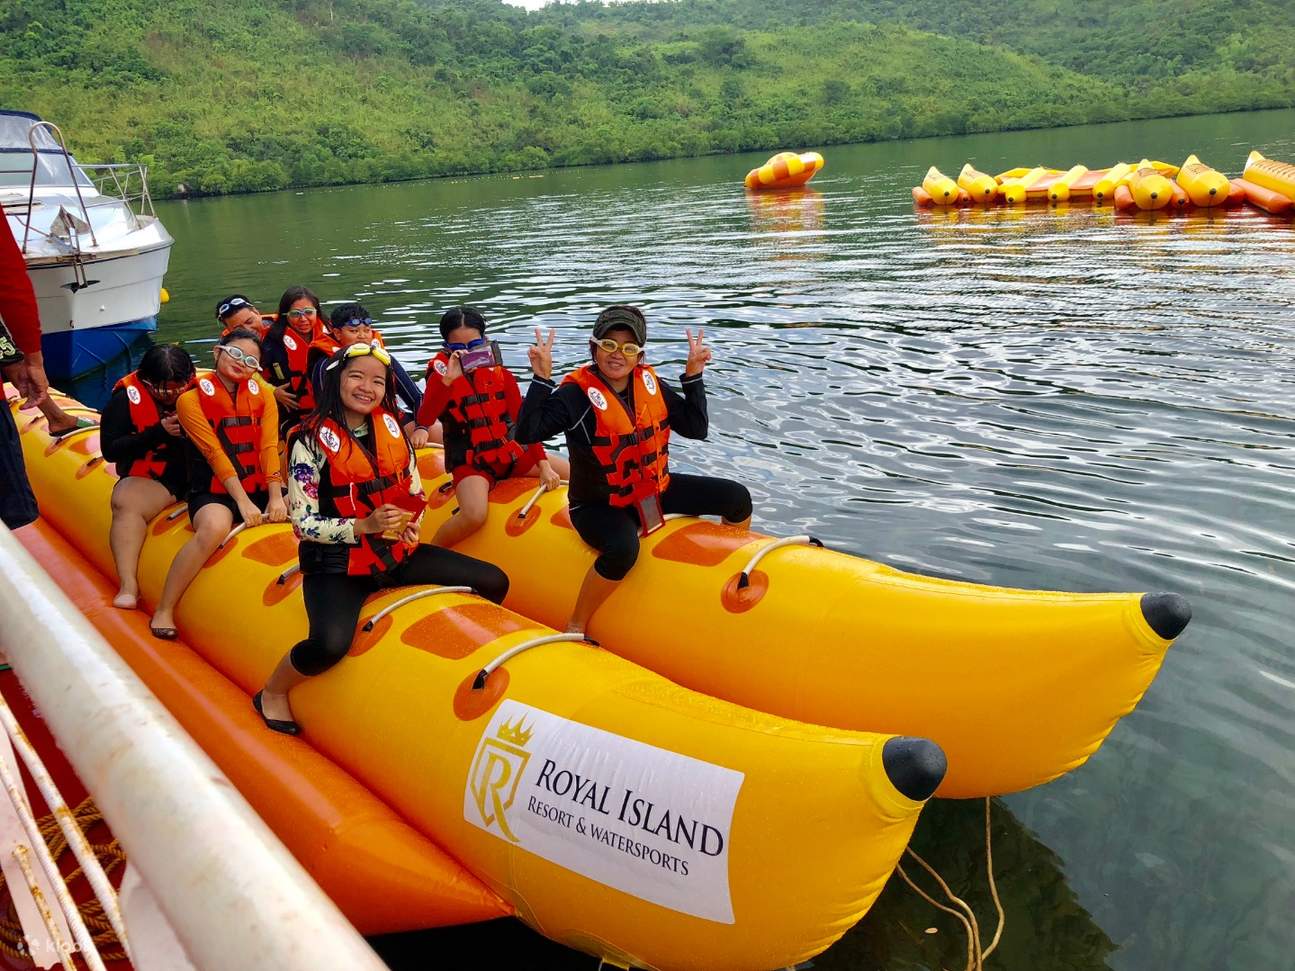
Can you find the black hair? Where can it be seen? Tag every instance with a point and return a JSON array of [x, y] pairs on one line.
[[462, 317], [328, 397], [232, 310], [347, 311], [239, 334], [163, 363], [291, 296]]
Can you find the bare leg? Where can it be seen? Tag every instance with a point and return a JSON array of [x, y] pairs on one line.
[[473, 494], [213, 524], [274, 697], [135, 500], [593, 591], [59, 420]]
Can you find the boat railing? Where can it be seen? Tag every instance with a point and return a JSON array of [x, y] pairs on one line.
[[127, 181], [53, 130], [228, 893]]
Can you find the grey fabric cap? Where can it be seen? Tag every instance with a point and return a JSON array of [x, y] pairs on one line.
[[622, 315]]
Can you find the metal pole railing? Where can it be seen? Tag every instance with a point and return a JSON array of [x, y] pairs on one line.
[[234, 895]]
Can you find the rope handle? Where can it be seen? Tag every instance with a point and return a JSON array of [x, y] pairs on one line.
[[177, 512], [535, 497], [69, 435], [803, 539], [289, 572], [483, 675], [421, 594]]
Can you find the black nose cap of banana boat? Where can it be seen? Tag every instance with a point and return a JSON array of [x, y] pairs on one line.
[[915, 766], [1166, 613]]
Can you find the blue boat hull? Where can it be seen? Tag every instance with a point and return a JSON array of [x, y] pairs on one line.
[[71, 353]]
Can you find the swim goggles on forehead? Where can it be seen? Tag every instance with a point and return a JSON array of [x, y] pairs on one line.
[[231, 305], [238, 356], [629, 348], [373, 349], [355, 323], [469, 346]]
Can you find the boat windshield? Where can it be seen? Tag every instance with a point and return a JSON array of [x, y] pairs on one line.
[[16, 155]]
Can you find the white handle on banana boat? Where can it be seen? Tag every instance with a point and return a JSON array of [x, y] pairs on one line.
[[483, 675], [430, 592], [804, 539]]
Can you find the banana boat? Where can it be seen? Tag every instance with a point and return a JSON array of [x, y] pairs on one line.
[[1017, 686], [1205, 186], [1116, 175], [1016, 184], [610, 809], [1060, 189], [942, 189], [1149, 187], [786, 170], [980, 187], [1270, 174]]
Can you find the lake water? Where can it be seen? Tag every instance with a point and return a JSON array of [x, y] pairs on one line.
[[1046, 398]]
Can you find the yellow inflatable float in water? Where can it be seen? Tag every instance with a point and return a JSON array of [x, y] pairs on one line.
[[1206, 187], [786, 170], [616, 812], [981, 187], [1271, 174]]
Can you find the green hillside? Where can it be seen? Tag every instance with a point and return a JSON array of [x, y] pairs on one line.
[[260, 94]]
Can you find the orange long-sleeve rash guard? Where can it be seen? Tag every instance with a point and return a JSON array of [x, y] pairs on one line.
[[200, 432]]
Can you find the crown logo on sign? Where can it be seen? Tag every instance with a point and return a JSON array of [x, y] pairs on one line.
[[518, 736]]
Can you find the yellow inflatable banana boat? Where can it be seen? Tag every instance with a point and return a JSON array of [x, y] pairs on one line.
[[1271, 174], [1151, 189], [614, 811], [1206, 187], [942, 189], [980, 186], [1017, 686]]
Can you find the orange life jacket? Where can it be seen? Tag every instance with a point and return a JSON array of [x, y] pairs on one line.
[[632, 451], [296, 349], [143, 415], [478, 403], [237, 423], [356, 481]]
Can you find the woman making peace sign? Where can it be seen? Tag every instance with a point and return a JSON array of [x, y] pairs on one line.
[[618, 417]]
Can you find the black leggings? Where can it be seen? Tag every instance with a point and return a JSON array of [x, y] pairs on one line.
[[614, 531], [334, 600]]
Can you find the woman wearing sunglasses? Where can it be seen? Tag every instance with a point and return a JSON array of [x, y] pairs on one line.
[[477, 400], [356, 500], [139, 431], [233, 428], [350, 323], [618, 417], [286, 350]]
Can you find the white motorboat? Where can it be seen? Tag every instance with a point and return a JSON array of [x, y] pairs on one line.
[[94, 247]]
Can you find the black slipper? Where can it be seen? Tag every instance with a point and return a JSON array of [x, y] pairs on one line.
[[164, 633], [274, 724]]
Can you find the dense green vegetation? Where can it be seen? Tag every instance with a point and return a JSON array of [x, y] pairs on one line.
[[260, 94]]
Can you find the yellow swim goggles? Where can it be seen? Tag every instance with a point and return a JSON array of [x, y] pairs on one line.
[[629, 348], [372, 348]]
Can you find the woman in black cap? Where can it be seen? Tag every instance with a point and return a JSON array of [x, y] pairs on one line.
[[618, 416]]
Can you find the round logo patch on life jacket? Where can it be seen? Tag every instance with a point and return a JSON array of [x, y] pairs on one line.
[[649, 382], [253, 387], [330, 439], [391, 426], [207, 388], [288, 342], [132, 393], [440, 367], [599, 401]]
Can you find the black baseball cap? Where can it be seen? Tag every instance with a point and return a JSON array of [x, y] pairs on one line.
[[622, 315]]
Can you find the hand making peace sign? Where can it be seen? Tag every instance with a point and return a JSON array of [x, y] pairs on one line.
[[541, 355], [698, 353]]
